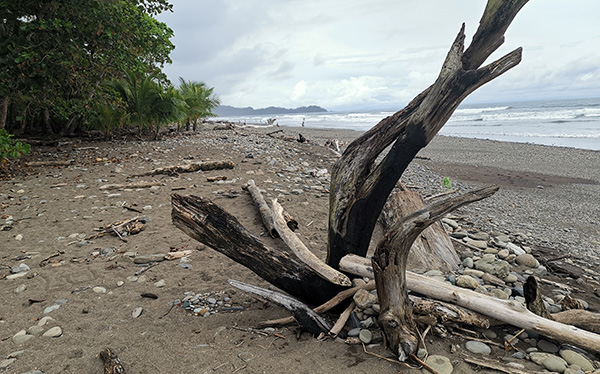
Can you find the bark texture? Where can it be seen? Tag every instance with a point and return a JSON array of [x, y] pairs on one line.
[[360, 184]]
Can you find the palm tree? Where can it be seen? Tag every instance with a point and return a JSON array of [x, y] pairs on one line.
[[200, 101], [148, 104]]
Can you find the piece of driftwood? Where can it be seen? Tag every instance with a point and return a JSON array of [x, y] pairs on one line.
[[112, 363], [335, 301], [209, 224], [341, 321], [389, 266], [575, 316], [306, 317], [263, 209], [302, 252], [446, 312], [489, 364], [507, 311], [190, 168], [121, 229], [130, 185], [432, 249], [49, 163]]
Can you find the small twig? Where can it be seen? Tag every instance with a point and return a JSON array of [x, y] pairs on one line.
[[143, 270], [422, 363], [168, 311], [508, 343], [220, 366], [445, 193], [339, 324], [382, 357], [240, 368], [118, 234]]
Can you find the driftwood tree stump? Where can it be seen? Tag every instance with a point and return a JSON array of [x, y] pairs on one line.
[[361, 182]]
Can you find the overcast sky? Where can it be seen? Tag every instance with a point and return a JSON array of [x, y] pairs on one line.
[[373, 54]]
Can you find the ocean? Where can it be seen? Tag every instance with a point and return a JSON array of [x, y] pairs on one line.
[[566, 123]]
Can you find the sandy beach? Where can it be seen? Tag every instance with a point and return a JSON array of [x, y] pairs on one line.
[[91, 288]]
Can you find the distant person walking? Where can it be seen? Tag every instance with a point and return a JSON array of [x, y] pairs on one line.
[[302, 122]]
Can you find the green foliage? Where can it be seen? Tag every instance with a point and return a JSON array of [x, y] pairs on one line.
[[55, 55], [447, 183], [10, 148], [199, 100]]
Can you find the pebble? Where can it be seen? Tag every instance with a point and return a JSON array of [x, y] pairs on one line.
[[17, 275], [478, 347], [44, 320], [19, 237], [354, 332], [511, 278], [35, 330], [526, 260], [554, 363], [466, 281], [19, 268], [20, 289], [574, 358], [54, 332], [468, 262], [546, 346], [21, 337], [515, 249], [161, 283], [440, 364], [51, 308], [364, 299], [137, 312], [99, 290], [365, 336]]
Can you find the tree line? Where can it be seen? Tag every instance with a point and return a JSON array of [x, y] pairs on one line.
[[70, 65]]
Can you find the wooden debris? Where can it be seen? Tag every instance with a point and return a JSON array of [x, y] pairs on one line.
[[263, 209], [306, 317], [506, 311], [216, 178], [112, 363], [121, 228], [176, 255], [336, 300], [341, 322], [303, 253], [130, 185], [495, 365], [49, 163], [190, 168]]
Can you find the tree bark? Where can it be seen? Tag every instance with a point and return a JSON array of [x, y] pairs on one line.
[[389, 265], [360, 185], [209, 224], [4, 111], [433, 249]]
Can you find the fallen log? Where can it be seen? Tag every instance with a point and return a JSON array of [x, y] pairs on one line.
[[49, 163], [306, 317], [190, 168], [130, 185], [263, 209], [303, 253], [509, 312], [207, 223]]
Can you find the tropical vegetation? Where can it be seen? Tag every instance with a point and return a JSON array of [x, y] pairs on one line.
[[70, 65]]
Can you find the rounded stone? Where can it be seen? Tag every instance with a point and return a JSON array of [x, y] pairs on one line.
[[99, 290], [20, 339], [468, 262], [555, 364], [54, 332], [510, 278], [574, 358], [546, 346], [478, 347], [365, 336], [466, 281], [526, 260], [440, 364], [35, 330]]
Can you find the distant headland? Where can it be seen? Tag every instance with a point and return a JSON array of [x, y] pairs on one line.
[[230, 111]]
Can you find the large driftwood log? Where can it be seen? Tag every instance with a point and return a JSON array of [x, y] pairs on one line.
[[303, 253], [190, 168], [263, 209], [509, 312], [432, 249], [209, 224], [360, 183], [389, 264]]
